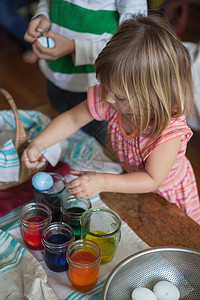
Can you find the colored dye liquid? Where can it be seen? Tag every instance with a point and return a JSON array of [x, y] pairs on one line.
[[32, 234], [83, 278], [54, 203], [72, 217], [56, 259], [58, 239], [76, 210], [108, 245]]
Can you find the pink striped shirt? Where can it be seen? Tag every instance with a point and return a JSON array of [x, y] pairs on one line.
[[180, 185]]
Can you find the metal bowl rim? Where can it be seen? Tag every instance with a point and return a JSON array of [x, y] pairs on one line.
[[138, 254]]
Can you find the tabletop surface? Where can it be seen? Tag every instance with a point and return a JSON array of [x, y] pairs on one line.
[[156, 221]]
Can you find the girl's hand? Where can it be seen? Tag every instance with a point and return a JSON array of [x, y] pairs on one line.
[[63, 46], [37, 26], [87, 185], [32, 158]]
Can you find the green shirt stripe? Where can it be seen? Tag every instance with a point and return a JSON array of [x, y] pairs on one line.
[[65, 65], [102, 20], [81, 20]]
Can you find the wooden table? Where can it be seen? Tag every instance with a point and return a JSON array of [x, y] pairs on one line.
[[156, 221]]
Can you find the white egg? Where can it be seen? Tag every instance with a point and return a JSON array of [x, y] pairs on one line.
[[165, 290], [142, 293], [46, 41]]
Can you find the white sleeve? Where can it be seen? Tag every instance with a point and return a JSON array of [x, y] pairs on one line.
[[86, 51], [42, 9], [127, 8]]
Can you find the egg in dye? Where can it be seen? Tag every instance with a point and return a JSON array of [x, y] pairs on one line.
[[42, 181]]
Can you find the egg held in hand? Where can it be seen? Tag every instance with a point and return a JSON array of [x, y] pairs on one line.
[[142, 293], [165, 290], [46, 42]]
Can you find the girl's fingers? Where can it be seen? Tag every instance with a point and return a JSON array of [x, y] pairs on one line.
[[76, 172], [72, 184]]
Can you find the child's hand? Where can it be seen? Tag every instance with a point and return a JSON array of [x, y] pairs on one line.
[[32, 158], [63, 46], [37, 26], [87, 185]]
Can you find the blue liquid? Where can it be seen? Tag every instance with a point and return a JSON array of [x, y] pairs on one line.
[[57, 261]]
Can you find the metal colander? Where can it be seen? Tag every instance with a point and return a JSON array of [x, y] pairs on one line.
[[180, 266]]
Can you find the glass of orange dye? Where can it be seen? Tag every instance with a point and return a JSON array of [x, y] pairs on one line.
[[83, 258], [34, 217]]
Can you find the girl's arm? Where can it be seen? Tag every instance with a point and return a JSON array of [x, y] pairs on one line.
[[60, 128], [157, 168]]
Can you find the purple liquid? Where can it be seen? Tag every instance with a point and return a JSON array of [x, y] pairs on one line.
[[57, 261]]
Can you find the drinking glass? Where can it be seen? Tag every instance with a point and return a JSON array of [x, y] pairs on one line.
[[33, 218], [72, 210], [103, 226], [54, 196], [83, 258], [56, 238]]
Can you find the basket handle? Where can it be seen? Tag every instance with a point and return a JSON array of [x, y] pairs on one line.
[[21, 140]]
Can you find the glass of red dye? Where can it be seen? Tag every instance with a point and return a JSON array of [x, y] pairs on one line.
[[56, 238], [34, 217], [83, 258]]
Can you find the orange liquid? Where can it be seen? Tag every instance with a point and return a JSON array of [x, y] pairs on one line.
[[83, 278]]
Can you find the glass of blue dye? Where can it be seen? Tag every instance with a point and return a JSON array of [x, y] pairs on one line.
[[56, 238], [72, 209], [54, 196]]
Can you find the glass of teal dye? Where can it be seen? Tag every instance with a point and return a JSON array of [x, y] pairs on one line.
[[56, 237], [72, 210], [54, 196]]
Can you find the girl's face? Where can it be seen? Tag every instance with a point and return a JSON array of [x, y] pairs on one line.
[[118, 102]]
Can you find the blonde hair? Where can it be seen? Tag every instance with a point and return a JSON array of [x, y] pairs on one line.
[[147, 63]]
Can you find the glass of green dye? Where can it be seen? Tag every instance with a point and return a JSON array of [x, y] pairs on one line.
[[72, 209]]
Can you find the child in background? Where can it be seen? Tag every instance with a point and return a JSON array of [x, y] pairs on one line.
[[81, 30], [17, 23], [145, 89]]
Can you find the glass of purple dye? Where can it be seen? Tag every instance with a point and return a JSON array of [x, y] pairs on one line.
[[56, 238]]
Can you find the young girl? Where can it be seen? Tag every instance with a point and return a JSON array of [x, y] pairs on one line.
[[145, 89]]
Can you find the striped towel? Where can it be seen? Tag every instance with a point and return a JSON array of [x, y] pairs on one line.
[[33, 123], [22, 277]]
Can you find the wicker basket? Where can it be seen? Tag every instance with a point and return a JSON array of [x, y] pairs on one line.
[[21, 142]]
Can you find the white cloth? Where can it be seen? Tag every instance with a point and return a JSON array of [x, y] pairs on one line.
[[194, 50], [22, 277], [83, 152], [33, 122]]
